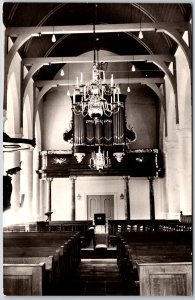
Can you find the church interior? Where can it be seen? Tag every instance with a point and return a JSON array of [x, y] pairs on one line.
[[97, 149]]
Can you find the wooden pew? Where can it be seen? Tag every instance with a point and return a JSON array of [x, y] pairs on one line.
[[151, 243], [165, 279], [24, 279], [61, 255], [77, 225], [151, 247], [69, 240], [162, 236], [81, 226], [54, 267], [37, 245], [51, 269]]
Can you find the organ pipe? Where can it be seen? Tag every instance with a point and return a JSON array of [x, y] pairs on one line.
[[98, 131], [105, 130], [90, 139], [79, 129]]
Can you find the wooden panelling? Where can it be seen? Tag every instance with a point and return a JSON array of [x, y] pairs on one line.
[[141, 163], [24, 279], [165, 279]]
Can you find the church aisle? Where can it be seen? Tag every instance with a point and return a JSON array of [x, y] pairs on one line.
[[97, 277]]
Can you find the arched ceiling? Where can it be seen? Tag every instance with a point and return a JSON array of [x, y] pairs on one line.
[[123, 43]]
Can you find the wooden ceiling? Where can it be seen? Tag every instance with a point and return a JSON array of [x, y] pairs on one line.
[[122, 43]]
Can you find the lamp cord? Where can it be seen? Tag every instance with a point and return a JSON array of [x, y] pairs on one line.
[[94, 42]]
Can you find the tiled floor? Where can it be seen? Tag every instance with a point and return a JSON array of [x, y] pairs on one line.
[[97, 277]]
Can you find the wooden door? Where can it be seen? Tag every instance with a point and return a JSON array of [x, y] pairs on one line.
[[100, 204]]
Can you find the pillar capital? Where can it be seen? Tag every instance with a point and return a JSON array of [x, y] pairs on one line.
[[43, 153], [49, 179], [126, 178]]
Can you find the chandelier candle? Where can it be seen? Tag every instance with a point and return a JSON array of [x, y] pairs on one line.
[[111, 81], [81, 81]]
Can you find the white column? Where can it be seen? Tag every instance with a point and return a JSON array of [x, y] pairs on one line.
[[127, 198], [36, 188], [73, 213], [27, 183], [172, 178], [49, 199], [42, 201], [185, 147]]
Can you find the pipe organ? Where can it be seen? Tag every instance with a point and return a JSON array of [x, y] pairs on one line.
[[108, 132], [104, 131]]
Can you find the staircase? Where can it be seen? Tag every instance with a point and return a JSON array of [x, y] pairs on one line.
[[100, 249]]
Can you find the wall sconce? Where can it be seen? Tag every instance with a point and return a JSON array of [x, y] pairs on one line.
[[78, 197], [122, 196]]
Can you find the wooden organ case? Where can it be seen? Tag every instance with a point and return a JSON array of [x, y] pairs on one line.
[[107, 132]]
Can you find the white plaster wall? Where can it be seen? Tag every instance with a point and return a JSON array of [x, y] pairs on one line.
[[141, 114], [139, 198], [161, 206], [61, 198], [184, 88], [170, 105], [57, 115], [61, 195], [44, 201], [138, 189], [28, 113], [99, 186], [12, 125]]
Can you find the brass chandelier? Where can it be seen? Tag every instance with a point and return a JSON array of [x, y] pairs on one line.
[[99, 160], [96, 98]]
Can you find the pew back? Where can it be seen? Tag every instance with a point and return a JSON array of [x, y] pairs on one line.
[[49, 261], [24, 279], [165, 279], [139, 252], [37, 239]]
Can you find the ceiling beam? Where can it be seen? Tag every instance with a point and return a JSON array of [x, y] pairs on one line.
[[62, 82], [99, 28], [102, 58]]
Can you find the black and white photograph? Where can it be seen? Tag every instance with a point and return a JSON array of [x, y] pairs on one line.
[[97, 148]]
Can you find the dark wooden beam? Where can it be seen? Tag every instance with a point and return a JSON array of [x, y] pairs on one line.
[[102, 58], [100, 28], [65, 82]]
